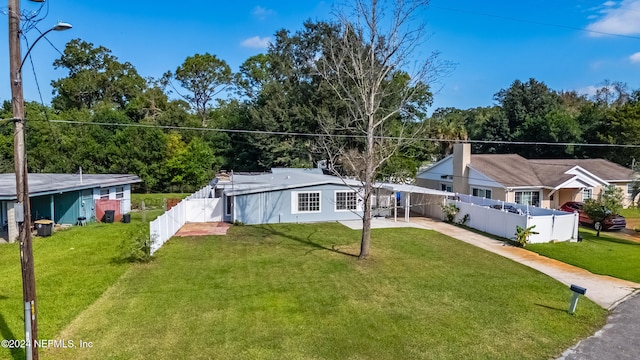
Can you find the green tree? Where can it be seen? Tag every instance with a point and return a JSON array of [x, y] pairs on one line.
[[205, 77], [608, 202], [94, 76]]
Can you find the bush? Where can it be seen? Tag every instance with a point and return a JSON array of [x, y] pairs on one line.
[[136, 246], [450, 211]]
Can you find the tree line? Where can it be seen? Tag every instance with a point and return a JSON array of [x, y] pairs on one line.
[[170, 130]]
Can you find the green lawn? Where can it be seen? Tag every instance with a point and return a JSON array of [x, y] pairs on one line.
[[73, 269], [287, 292], [606, 255]]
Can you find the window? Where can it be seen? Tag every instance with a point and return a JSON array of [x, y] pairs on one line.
[[528, 198], [304, 202], [104, 193], [346, 200], [483, 193], [119, 192], [629, 189], [446, 187], [587, 193]]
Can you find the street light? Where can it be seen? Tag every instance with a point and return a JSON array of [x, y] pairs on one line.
[[61, 26], [22, 186]]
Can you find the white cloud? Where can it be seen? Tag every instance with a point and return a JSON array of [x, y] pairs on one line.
[[262, 13], [590, 90], [635, 58], [622, 18], [257, 42]]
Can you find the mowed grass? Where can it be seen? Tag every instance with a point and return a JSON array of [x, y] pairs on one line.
[[73, 268], [290, 292], [606, 255]]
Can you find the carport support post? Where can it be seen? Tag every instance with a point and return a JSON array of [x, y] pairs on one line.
[[395, 206]]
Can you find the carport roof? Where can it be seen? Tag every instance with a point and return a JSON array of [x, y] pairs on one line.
[[45, 184], [413, 189]]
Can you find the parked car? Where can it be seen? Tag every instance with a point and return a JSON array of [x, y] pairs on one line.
[[508, 208], [611, 222]]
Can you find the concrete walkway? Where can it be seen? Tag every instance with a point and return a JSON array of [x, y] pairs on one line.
[[605, 291], [616, 340]]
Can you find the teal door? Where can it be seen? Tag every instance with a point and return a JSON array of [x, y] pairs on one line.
[[67, 207]]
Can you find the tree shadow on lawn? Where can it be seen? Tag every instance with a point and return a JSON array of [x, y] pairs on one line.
[[7, 334], [307, 241], [552, 308], [605, 237]]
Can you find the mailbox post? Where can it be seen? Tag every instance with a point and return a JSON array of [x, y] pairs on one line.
[[577, 291]]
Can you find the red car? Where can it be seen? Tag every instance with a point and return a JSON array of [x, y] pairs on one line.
[[611, 222]]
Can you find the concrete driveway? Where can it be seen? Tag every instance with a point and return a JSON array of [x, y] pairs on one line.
[[605, 291]]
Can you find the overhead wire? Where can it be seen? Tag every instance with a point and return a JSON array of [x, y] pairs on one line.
[[349, 136]]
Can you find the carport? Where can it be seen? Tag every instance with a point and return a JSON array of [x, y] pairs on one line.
[[428, 201]]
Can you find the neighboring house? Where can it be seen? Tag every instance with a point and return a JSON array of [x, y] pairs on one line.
[[546, 183], [63, 198]]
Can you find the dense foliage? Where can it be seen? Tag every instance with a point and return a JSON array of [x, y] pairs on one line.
[[117, 122]]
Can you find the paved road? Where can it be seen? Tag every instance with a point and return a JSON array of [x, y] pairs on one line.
[[618, 340]]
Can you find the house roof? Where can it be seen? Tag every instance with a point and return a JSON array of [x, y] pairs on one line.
[[513, 170], [281, 179], [45, 184]]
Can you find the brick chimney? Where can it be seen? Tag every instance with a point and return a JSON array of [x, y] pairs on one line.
[[461, 158]]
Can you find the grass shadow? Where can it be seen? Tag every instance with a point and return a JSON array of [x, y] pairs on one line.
[[6, 333], [307, 241]]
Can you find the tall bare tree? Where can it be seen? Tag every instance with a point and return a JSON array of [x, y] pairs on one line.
[[382, 82]]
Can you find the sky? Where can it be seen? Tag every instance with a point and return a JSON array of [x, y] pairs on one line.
[[567, 44]]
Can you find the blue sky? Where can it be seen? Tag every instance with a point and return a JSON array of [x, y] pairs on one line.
[[493, 43]]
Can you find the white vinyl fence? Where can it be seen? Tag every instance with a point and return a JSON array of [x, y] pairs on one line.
[[549, 224], [197, 207]]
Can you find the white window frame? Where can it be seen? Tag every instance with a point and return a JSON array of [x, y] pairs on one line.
[[347, 200], [587, 193], [120, 192], [295, 195], [104, 196], [515, 198], [630, 189], [484, 192]]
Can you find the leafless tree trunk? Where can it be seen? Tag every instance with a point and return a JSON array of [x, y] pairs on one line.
[[373, 66]]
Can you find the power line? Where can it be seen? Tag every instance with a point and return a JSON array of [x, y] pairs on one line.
[[346, 136]]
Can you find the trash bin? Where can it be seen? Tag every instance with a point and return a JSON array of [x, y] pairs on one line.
[[126, 218], [109, 215], [44, 227]]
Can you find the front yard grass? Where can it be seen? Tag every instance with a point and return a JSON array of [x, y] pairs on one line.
[[605, 255], [73, 268], [289, 292]]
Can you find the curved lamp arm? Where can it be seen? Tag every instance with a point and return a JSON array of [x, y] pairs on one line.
[[58, 27]]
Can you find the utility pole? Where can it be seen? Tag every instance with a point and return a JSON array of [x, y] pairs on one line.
[[22, 187]]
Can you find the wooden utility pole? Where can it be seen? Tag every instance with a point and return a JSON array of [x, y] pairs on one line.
[[22, 187]]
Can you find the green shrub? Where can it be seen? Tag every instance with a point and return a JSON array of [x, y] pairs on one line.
[[136, 246], [450, 211]]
